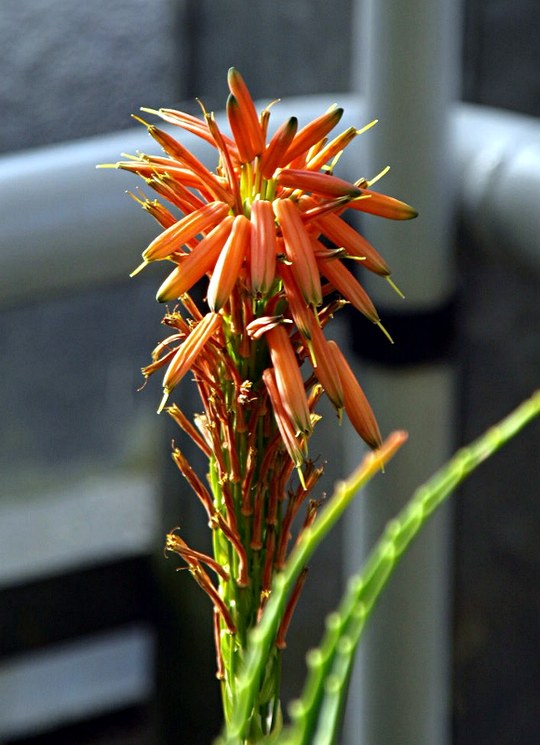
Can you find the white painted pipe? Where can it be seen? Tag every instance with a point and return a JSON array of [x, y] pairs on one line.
[[407, 78], [408, 53]]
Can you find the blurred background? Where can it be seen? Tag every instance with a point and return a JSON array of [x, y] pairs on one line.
[[101, 640]]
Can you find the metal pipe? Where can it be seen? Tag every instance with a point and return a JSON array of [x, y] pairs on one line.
[[407, 78], [497, 156], [408, 54], [67, 225]]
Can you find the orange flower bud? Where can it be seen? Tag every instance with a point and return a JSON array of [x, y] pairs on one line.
[[228, 265], [383, 206], [311, 133], [248, 111], [317, 183], [345, 236], [299, 250], [239, 129], [348, 286], [188, 227], [278, 146], [298, 307], [283, 421], [357, 406], [288, 378], [263, 246], [196, 264], [324, 365], [188, 352]]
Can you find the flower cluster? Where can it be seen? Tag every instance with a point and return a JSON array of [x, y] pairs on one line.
[[265, 234]]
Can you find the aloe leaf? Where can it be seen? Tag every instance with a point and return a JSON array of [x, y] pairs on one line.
[[316, 715]]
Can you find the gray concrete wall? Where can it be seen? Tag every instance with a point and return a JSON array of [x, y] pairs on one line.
[[502, 54], [70, 70], [74, 69]]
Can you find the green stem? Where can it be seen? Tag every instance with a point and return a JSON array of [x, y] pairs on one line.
[[261, 638]]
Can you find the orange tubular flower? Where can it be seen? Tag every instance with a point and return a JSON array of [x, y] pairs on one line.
[[263, 247], [345, 236], [332, 149], [172, 239], [317, 183], [188, 352], [182, 155], [186, 121], [298, 308], [255, 230], [228, 265], [325, 366], [288, 378], [383, 206], [239, 127], [160, 213], [299, 250], [247, 110], [311, 134], [195, 265], [348, 286], [284, 423], [357, 407], [278, 146]]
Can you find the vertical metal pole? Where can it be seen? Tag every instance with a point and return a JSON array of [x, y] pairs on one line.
[[406, 63]]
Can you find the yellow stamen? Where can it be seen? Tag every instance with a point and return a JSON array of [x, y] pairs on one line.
[[139, 268], [366, 127], [378, 176], [394, 287], [385, 332]]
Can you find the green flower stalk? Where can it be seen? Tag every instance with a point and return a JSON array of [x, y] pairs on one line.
[[264, 233]]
